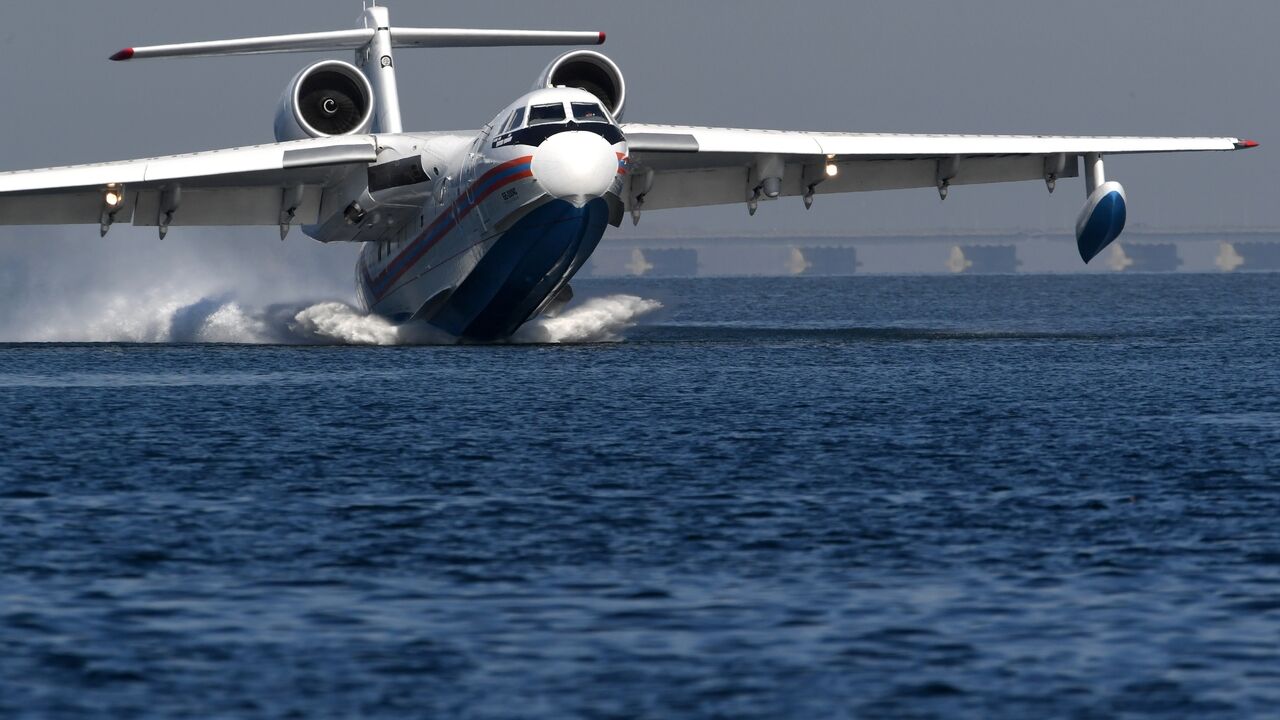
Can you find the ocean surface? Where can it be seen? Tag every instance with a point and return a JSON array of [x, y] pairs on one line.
[[880, 497]]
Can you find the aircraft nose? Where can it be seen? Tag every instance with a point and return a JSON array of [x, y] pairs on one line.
[[575, 166]]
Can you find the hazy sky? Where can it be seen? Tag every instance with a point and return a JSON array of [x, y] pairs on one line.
[[995, 66], [1002, 66]]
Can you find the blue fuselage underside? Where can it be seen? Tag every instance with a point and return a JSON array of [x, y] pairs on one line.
[[529, 262]]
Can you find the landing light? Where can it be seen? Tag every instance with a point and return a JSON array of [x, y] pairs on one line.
[[832, 170], [112, 203]]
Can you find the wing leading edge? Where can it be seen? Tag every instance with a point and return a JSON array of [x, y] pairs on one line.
[[280, 183], [674, 167], [678, 166]]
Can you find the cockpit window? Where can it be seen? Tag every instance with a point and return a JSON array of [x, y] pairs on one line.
[[543, 114], [517, 119], [589, 112]]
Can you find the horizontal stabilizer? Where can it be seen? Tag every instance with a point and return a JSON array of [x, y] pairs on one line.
[[356, 39], [444, 38]]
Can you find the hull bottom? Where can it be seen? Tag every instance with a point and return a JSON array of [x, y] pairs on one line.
[[525, 267]]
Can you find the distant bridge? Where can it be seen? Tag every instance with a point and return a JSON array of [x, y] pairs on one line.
[[1139, 250]]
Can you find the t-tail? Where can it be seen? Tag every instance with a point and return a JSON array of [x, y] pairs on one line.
[[373, 43]]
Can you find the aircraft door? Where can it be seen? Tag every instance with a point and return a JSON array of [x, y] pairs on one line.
[[476, 166]]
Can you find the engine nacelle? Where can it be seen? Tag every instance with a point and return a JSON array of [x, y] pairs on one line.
[[588, 70], [326, 99]]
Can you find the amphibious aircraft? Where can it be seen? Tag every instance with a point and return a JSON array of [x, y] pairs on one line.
[[477, 232]]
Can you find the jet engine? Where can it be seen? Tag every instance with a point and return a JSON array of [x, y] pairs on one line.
[[325, 99], [588, 70]]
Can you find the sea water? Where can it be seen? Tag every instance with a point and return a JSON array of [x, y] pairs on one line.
[[952, 497]]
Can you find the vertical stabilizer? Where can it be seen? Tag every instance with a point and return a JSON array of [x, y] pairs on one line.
[[378, 63]]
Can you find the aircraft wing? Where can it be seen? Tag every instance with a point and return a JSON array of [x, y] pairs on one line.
[[674, 166], [257, 185]]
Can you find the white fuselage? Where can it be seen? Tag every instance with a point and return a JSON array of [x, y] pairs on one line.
[[531, 186]]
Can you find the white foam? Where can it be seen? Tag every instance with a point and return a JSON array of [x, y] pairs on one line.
[[114, 318], [596, 320], [341, 323], [232, 324], [164, 316]]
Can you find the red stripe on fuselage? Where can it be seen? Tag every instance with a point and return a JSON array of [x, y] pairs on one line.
[[445, 222]]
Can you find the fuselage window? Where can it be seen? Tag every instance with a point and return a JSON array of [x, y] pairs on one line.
[[517, 119], [543, 114], [589, 112]]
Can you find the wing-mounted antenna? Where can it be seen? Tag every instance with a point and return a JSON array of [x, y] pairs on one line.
[[373, 43]]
